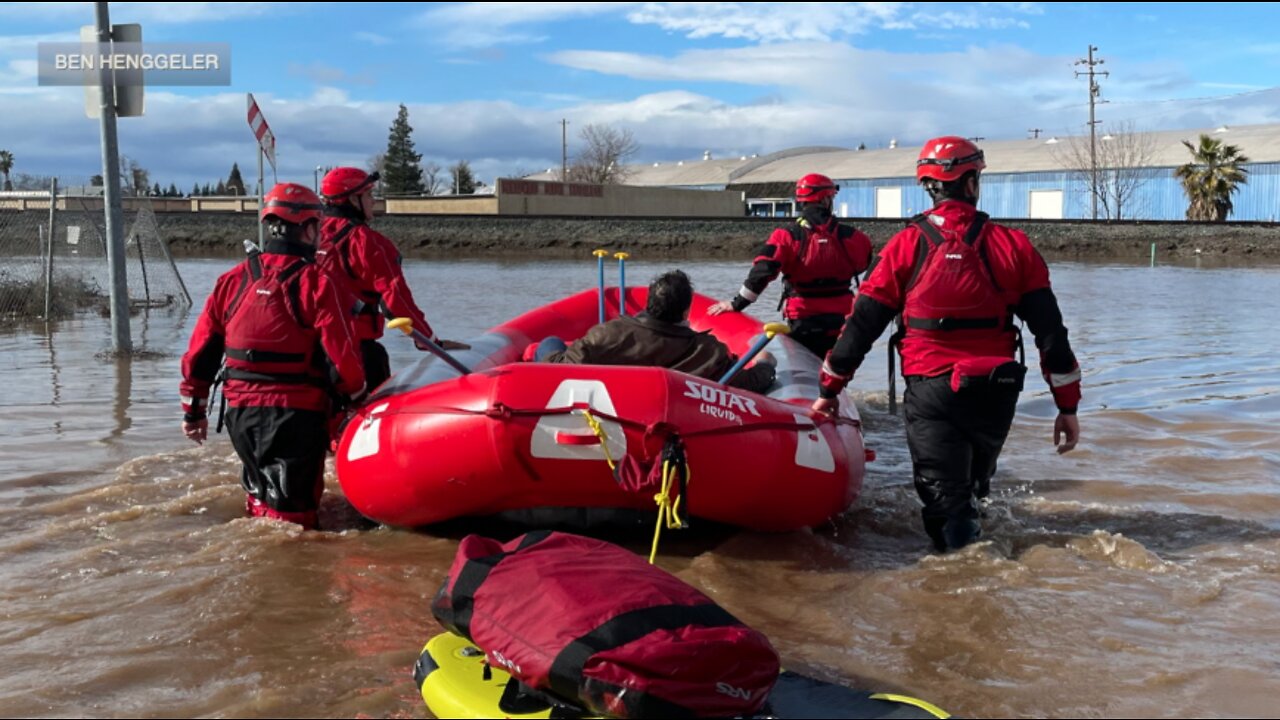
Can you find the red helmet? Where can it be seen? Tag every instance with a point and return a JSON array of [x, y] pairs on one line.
[[948, 158], [814, 188], [341, 183], [292, 203]]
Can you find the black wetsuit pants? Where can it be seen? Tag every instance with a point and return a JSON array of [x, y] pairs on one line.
[[377, 366], [283, 452], [817, 332], [955, 439]]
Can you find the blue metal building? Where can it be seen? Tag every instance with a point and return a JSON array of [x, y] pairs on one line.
[[1024, 178]]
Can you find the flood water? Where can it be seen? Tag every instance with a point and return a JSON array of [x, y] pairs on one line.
[[1138, 576]]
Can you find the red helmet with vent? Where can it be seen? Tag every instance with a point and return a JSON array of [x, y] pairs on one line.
[[814, 188], [341, 183], [292, 203], [948, 158]]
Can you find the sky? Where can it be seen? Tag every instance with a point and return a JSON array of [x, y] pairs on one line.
[[490, 82]]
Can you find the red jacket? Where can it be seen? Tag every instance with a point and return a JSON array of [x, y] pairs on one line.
[[1020, 277], [323, 311], [1015, 265], [370, 264], [818, 263]]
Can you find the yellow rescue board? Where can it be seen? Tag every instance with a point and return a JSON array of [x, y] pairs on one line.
[[456, 683]]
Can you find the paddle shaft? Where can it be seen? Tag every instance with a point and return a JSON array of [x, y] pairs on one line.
[[406, 326], [622, 282], [600, 255], [742, 361]]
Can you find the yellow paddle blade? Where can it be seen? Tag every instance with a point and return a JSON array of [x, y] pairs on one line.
[[621, 255], [601, 253], [776, 328], [404, 325]]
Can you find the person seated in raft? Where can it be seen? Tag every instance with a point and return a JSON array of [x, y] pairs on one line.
[[660, 336]]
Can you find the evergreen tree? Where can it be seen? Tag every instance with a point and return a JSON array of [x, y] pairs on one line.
[[207, 190], [173, 190], [221, 190], [403, 176], [461, 181], [235, 183], [195, 190], [155, 190]]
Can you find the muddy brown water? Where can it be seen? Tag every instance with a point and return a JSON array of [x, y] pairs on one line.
[[1138, 576]]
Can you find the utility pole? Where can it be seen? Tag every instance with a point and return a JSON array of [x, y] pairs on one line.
[[1095, 91], [121, 342], [564, 151], [1035, 133]]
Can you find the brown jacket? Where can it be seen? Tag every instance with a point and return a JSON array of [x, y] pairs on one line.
[[647, 341]]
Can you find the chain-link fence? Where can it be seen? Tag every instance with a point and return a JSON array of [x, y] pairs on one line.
[[53, 256]]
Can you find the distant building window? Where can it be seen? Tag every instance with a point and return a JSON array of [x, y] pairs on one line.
[[771, 207]]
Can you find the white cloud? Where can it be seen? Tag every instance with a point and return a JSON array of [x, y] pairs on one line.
[[478, 25], [372, 38], [166, 13], [322, 74], [838, 71], [776, 22], [185, 139]]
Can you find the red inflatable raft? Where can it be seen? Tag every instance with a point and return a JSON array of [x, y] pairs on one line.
[[514, 436]]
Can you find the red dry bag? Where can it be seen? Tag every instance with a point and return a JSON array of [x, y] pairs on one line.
[[595, 624]]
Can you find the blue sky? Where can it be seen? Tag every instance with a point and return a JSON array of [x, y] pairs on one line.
[[490, 82]]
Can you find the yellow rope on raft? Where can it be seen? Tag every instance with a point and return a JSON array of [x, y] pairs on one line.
[[598, 429], [668, 508]]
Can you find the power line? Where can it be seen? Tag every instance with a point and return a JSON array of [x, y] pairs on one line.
[[1206, 98]]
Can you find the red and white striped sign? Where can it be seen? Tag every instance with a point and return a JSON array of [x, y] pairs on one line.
[[258, 124]]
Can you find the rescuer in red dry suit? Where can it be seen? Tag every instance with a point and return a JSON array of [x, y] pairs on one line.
[[370, 263], [954, 281], [286, 331], [819, 260]]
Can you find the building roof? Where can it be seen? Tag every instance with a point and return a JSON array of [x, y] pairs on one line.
[[1260, 143]]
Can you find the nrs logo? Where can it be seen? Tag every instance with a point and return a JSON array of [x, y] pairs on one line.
[[734, 692], [954, 256], [721, 398]]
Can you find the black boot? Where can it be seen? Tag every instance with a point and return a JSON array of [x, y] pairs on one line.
[[958, 532]]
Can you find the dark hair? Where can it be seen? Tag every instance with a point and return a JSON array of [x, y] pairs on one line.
[[957, 189], [670, 296]]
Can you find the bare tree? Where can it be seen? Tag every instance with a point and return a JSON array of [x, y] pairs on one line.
[[603, 160], [377, 163], [135, 178], [1124, 158], [433, 178]]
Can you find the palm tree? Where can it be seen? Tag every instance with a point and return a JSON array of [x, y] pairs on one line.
[[6, 164], [1211, 178]]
